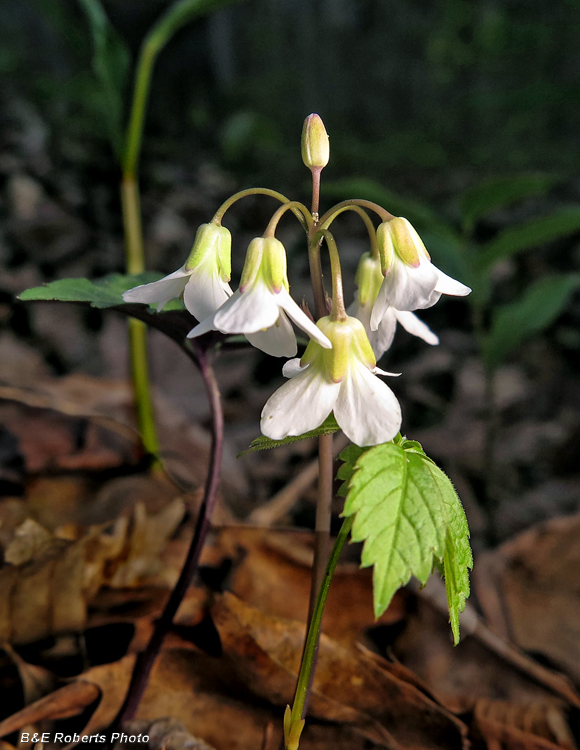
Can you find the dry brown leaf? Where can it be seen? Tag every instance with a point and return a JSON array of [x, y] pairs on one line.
[[272, 571], [187, 686], [67, 701], [536, 726], [36, 681], [530, 591], [349, 688], [48, 593]]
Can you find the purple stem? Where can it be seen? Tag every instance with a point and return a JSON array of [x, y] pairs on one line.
[[146, 658]]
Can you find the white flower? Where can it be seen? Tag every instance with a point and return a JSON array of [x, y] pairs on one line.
[[260, 308], [369, 278], [411, 281], [342, 379], [202, 280]]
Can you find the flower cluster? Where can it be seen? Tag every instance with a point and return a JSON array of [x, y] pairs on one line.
[[337, 372]]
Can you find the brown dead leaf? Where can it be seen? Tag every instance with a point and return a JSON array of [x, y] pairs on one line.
[[49, 591], [189, 687], [349, 688], [530, 591], [36, 681], [272, 571], [65, 702], [536, 726]]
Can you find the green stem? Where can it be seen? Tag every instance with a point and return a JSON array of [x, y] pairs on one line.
[[382, 213], [219, 214], [304, 678], [277, 215], [364, 216], [338, 308], [138, 330]]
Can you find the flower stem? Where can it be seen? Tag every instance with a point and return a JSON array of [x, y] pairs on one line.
[[146, 658], [137, 330], [382, 213], [364, 216], [277, 215], [338, 308], [219, 214], [303, 687]]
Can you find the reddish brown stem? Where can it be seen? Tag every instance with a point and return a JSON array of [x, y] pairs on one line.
[[146, 658]]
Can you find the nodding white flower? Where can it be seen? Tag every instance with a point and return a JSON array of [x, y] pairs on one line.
[[260, 308], [411, 281], [369, 278], [342, 379], [202, 279]]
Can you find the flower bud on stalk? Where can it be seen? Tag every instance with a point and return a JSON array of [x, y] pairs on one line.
[[315, 145]]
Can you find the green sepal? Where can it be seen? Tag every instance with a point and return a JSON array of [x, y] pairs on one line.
[[262, 443]]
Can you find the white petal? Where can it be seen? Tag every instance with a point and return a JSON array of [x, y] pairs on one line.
[[366, 409], [447, 285], [382, 338], [205, 293], [300, 405], [380, 307], [414, 325], [301, 319], [203, 327], [160, 292], [279, 340], [248, 312], [409, 288], [293, 368], [378, 371]]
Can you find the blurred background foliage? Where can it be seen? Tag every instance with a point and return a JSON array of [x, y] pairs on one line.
[[424, 95]]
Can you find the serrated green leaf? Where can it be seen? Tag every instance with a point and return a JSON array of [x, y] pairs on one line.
[[262, 443], [400, 509], [409, 516], [457, 558], [500, 192], [538, 307], [529, 235], [105, 292], [111, 65], [349, 456]]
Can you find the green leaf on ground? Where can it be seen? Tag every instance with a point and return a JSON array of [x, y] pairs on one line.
[[262, 443], [105, 292], [499, 192], [409, 517], [530, 235], [538, 307], [111, 65]]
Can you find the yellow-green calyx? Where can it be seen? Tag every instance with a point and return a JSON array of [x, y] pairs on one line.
[[369, 278], [212, 243], [349, 340], [398, 237], [315, 145], [265, 259]]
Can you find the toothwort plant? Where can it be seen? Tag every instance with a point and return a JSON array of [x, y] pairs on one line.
[[397, 501]]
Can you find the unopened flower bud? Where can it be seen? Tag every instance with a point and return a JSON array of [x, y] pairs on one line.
[[400, 237], [315, 145], [368, 279], [212, 240]]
